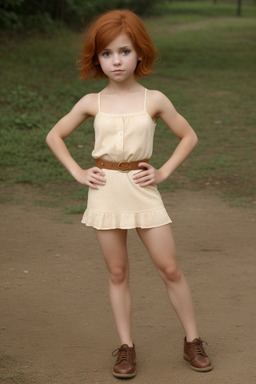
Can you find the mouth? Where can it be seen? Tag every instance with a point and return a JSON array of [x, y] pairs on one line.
[[117, 71]]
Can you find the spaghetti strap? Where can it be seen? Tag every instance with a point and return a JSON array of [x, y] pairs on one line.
[[145, 100], [99, 101]]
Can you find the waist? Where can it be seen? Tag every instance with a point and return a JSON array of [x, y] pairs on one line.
[[123, 166]]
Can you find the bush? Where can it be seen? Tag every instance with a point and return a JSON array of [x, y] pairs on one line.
[[37, 14]]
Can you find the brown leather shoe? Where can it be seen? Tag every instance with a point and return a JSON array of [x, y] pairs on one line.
[[125, 365], [194, 353]]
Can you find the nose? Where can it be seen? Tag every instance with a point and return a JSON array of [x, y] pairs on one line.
[[116, 59]]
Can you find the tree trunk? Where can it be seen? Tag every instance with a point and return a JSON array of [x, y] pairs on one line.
[[239, 8], [57, 10]]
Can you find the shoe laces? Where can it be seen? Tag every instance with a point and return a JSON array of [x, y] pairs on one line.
[[198, 347], [123, 354]]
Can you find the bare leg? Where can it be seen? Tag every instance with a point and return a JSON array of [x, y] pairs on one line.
[[160, 245], [113, 246]]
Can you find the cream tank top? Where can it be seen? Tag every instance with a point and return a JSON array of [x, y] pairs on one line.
[[123, 137]]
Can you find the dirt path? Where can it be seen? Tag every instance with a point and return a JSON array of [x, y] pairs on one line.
[[56, 325]]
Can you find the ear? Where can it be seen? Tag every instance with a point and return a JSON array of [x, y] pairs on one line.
[[140, 58]]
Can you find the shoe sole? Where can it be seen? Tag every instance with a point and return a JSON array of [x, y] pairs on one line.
[[123, 375], [206, 369]]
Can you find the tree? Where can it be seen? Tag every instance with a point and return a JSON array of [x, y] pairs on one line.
[[41, 14], [239, 8]]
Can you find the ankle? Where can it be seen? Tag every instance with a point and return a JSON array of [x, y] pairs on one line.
[[191, 338], [129, 343]]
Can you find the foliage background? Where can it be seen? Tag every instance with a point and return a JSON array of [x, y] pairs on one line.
[[43, 14], [26, 14]]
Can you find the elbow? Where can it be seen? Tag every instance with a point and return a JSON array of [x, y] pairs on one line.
[[194, 139], [49, 139]]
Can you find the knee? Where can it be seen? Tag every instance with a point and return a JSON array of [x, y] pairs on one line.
[[171, 273], [118, 275]]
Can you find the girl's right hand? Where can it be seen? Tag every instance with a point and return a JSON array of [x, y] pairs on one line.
[[92, 177]]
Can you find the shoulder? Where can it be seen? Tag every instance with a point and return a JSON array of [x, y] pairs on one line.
[[158, 102], [157, 97], [88, 104]]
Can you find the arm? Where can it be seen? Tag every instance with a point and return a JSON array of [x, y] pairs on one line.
[[65, 126], [160, 106]]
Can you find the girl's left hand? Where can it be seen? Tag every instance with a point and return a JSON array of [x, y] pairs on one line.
[[148, 176]]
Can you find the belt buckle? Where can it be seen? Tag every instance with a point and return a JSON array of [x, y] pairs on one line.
[[124, 162]]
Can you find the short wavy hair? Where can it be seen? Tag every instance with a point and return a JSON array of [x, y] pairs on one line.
[[105, 29]]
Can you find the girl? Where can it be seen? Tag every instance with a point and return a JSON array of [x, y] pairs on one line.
[[123, 185]]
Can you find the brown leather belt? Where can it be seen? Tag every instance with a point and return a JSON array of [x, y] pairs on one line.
[[123, 166]]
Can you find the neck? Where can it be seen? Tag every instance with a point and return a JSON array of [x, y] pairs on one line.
[[131, 85]]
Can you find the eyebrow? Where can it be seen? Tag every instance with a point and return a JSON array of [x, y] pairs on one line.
[[124, 47]]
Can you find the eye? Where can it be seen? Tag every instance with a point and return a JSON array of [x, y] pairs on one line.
[[126, 52], [106, 54]]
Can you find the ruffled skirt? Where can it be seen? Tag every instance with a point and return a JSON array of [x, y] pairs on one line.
[[121, 203]]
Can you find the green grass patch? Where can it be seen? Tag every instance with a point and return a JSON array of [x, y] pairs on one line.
[[207, 69], [13, 372], [79, 209]]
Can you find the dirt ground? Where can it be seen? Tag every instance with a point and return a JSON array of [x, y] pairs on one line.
[[56, 325]]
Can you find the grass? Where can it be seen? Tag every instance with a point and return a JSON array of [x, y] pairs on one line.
[[207, 69], [216, 71], [12, 371]]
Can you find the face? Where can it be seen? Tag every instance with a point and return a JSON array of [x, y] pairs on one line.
[[119, 59]]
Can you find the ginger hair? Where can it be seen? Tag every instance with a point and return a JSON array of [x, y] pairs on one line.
[[105, 29]]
